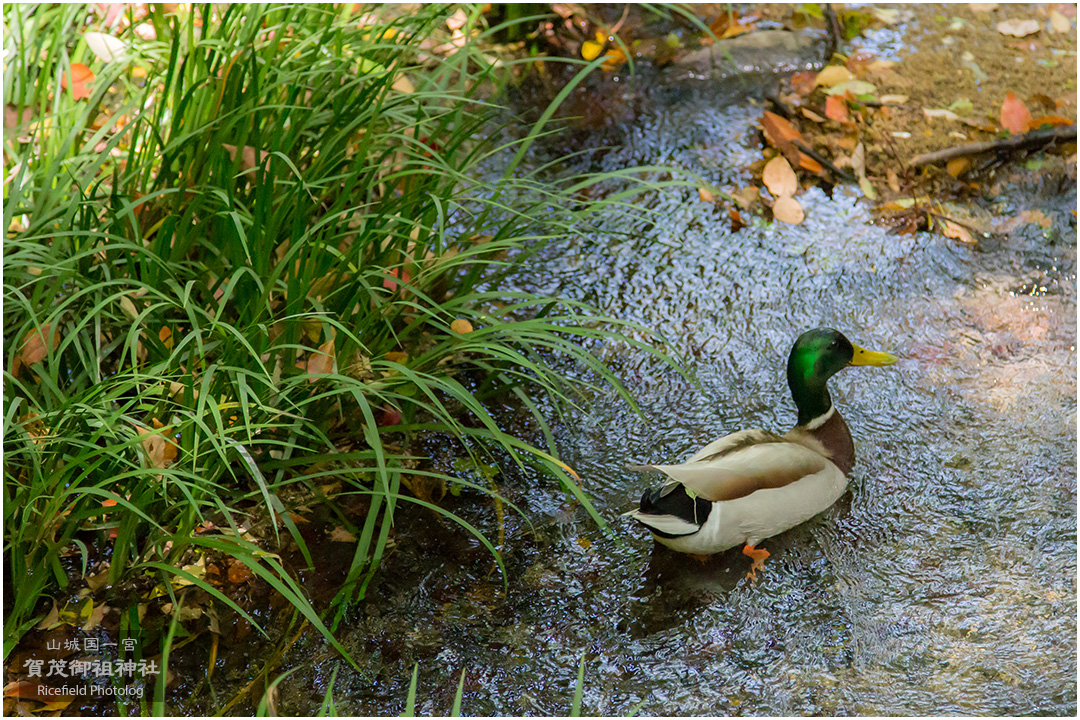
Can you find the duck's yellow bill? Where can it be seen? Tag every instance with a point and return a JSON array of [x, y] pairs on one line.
[[871, 357]]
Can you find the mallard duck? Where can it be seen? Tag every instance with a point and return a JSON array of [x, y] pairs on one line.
[[754, 484]]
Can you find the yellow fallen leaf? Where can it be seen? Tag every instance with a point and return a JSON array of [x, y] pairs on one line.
[[787, 209], [461, 326], [833, 75], [957, 166], [591, 50], [779, 177]]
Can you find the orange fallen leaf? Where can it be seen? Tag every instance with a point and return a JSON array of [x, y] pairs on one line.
[[737, 223], [165, 336], [957, 166], [706, 195], [836, 109], [780, 178], [957, 232], [1050, 120], [1015, 116], [787, 209], [780, 133], [461, 326], [240, 573], [79, 80]]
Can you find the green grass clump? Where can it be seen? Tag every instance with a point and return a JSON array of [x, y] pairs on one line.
[[240, 271]]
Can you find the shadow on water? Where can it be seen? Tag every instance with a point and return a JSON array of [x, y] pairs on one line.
[[944, 582]]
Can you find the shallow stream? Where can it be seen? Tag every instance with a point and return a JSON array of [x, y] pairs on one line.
[[943, 582]]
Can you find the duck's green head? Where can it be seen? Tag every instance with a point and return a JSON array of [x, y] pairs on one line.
[[818, 355]]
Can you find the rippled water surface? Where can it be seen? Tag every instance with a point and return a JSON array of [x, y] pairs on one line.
[[943, 582]]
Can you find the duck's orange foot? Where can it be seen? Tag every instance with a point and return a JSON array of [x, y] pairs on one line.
[[701, 558], [758, 555]]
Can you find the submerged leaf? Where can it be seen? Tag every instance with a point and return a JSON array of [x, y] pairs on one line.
[[787, 209], [1018, 28]]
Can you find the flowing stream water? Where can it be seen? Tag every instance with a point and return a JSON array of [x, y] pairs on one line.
[[943, 582]]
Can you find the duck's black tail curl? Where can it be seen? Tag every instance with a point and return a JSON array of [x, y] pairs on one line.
[[672, 501]]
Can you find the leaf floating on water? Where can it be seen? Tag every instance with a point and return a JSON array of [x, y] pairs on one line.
[[1018, 28], [1015, 116], [787, 209], [780, 178]]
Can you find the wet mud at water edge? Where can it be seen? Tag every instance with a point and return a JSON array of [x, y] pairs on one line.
[[943, 581]]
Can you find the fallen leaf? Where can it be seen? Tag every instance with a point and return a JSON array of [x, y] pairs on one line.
[[461, 326], [867, 188], [855, 87], [165, 335], [961, 106], [403, 85], [106, 47], [747, 196], [398, 357], [836, 109], [388, 415], [803, 82], [79, 80], [457, 20], [239, 573], [1050, 120], [1015, 116], [893, 99], [788, 210], [779, 177], [809, 164], [1059, 23], [983, 7], [957, 232], [737, 223], [1018, 28], [945, 114], [858, 160], [957, 166], [340, 534], [250, 158], [780, 133], [37, 344], [321, 362], [811, 115], [833, 75], [706, 195], [591, 50]]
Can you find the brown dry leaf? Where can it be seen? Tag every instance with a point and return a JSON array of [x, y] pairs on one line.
[[983, 7], [780, 133], [461, 326], [836, 109], [787, 209], [706, 195], [321, 362], [403, 85], [957, 166], [239, 573], [340, 534], [957, 232], [833, 75], [811, 115], [96, 616], [1018, 28], [1015, 117], [802, 83], [809, 164], [165, 335], [780, 178], [747, 196], [398, 357], [37, 344], [893, 180]]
